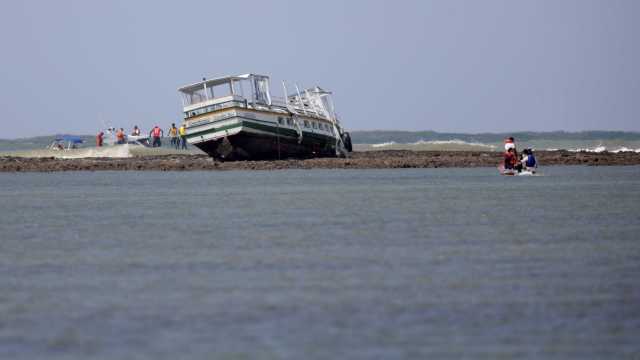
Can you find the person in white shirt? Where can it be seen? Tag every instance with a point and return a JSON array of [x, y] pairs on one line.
[[509, 143]]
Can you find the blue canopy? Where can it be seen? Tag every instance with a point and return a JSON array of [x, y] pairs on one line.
[[70, 138]]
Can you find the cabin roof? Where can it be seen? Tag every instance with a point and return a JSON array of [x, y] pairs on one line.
[[318, 90], [216, 81], [70, 138]]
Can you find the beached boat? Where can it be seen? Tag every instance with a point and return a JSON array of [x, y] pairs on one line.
[[65, 142], [236, 117], [110, 138]]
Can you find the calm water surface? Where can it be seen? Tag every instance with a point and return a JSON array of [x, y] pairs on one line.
[[320, 264]]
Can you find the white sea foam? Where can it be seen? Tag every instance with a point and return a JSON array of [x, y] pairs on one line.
[[384, 144], [625, 149], [597, 149], [452, 142], [118, 151], [600, 149], [436, 144]]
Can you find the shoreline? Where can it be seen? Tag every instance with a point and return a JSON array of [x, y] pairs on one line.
[[378, 159]]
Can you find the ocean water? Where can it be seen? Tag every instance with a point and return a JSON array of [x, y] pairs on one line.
[[321, 264]]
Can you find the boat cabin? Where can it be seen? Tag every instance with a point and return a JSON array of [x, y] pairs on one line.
[[214, 94], [253, 91]]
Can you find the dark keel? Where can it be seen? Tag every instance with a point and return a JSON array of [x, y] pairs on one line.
[[246, 146]]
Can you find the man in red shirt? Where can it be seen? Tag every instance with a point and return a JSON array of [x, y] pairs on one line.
[[156, 134]]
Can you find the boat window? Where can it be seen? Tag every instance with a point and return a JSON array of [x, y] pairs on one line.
[[261, 90], [221, 90], [280, 121], [289, 122], [306, 123], [195, 97], [314, 125]]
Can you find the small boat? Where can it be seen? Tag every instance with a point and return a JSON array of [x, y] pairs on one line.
[[65, 142], [110, 138], [237, 118]]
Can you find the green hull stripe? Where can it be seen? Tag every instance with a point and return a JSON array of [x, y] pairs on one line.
[[212, 130], [266, 128]]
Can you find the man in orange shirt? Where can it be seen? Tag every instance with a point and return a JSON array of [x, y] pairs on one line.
[[120, 136]]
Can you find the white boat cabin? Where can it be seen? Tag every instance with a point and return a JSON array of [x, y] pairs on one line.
[[252, 91]]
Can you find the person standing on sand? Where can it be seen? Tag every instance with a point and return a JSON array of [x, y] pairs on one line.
[[156, 134], [136, 131], [173, 134], [183, 136], [120, 136], [99, 139]]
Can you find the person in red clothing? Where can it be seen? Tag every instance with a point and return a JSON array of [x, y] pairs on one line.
[[510, 159], [156, 135], [99, 139]]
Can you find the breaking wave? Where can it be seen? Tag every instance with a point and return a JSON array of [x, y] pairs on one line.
[[384, 144], [454, 144], [119, 151], [461, 145], [600, 149]]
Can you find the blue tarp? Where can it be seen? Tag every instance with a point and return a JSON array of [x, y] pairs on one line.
[[70, 138]]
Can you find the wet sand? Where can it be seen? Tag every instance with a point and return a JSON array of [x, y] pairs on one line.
[[387, 159]]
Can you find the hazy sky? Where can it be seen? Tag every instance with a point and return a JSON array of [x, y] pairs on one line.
[[468, 66]]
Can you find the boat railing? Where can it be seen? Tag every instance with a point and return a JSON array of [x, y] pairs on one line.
[[238, 101], [282, 102], [278, 100], [214, 107]]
